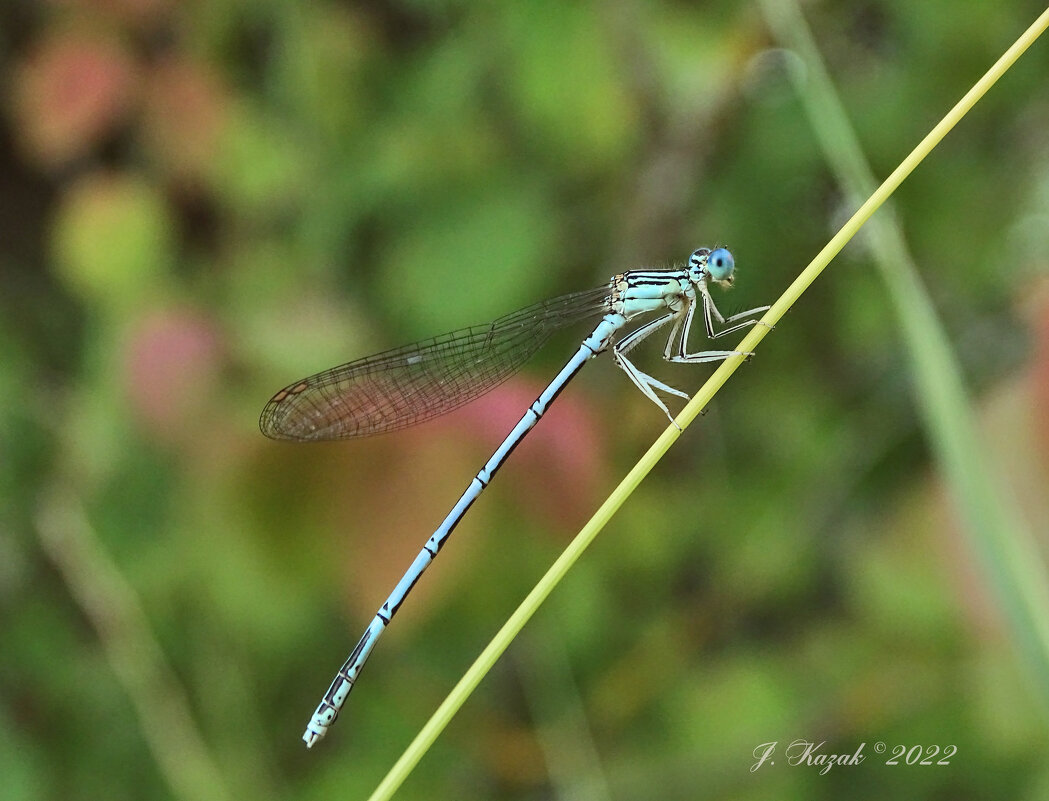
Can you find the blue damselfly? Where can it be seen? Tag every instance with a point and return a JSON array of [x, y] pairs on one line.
[[407, 385]]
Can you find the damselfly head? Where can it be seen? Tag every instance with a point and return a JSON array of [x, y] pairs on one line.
[[717, 264]]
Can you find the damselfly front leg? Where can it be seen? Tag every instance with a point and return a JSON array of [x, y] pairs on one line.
[[710, 312]]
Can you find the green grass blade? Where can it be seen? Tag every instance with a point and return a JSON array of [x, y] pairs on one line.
[[425, 738], [112, 606], [1001, 541]]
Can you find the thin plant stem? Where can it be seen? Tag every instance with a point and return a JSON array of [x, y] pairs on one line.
[[444, 713], [1002, 541], [137, 659]]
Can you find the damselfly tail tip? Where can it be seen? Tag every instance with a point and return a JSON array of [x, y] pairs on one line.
[[310, 737]]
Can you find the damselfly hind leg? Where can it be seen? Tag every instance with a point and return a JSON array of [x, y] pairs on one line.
[[646, 383], [643, 381]]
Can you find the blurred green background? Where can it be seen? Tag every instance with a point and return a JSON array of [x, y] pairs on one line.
[[201, 202]]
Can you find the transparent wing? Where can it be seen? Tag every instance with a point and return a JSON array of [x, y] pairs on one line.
[[404, 386]]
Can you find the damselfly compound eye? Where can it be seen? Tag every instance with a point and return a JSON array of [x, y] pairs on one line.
[[720, 265]]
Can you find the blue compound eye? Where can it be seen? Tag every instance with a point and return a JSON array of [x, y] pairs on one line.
[[720, 264]]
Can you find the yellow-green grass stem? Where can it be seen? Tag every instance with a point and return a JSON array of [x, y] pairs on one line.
[[1000, 540], [436, 724]]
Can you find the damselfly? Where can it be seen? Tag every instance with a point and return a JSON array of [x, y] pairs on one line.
[[407, 385]]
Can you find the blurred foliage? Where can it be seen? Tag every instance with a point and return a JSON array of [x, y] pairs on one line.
[[202, 202]]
